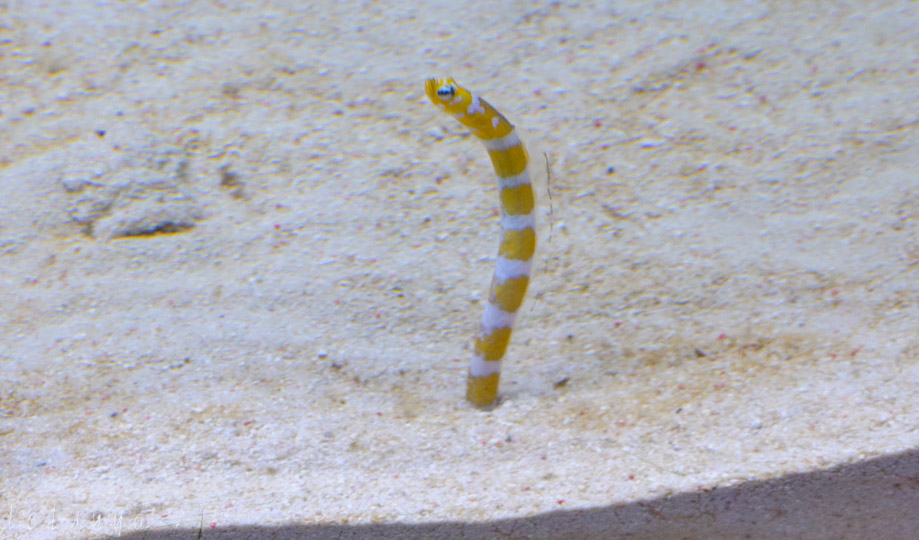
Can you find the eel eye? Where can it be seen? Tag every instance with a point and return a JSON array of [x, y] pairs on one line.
[[445, 91]]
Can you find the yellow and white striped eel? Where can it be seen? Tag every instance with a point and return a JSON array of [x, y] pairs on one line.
[[518, 231]]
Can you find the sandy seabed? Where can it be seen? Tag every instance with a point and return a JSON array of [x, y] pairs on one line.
[[242, 259]]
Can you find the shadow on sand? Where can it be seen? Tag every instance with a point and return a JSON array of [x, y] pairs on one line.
[[876, 498]]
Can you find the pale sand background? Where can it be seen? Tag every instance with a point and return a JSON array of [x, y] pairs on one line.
[[731, 293]]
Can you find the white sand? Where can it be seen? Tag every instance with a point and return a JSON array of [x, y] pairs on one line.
[[729, 294]]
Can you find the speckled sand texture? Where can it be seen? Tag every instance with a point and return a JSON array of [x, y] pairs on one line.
[[242, 259]]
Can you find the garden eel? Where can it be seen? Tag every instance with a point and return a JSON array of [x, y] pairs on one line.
[[518, 232]]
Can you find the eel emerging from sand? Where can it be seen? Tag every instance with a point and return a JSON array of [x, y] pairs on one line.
[[518, 232]]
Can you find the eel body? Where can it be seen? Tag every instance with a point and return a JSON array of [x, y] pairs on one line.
[[518, 232]]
